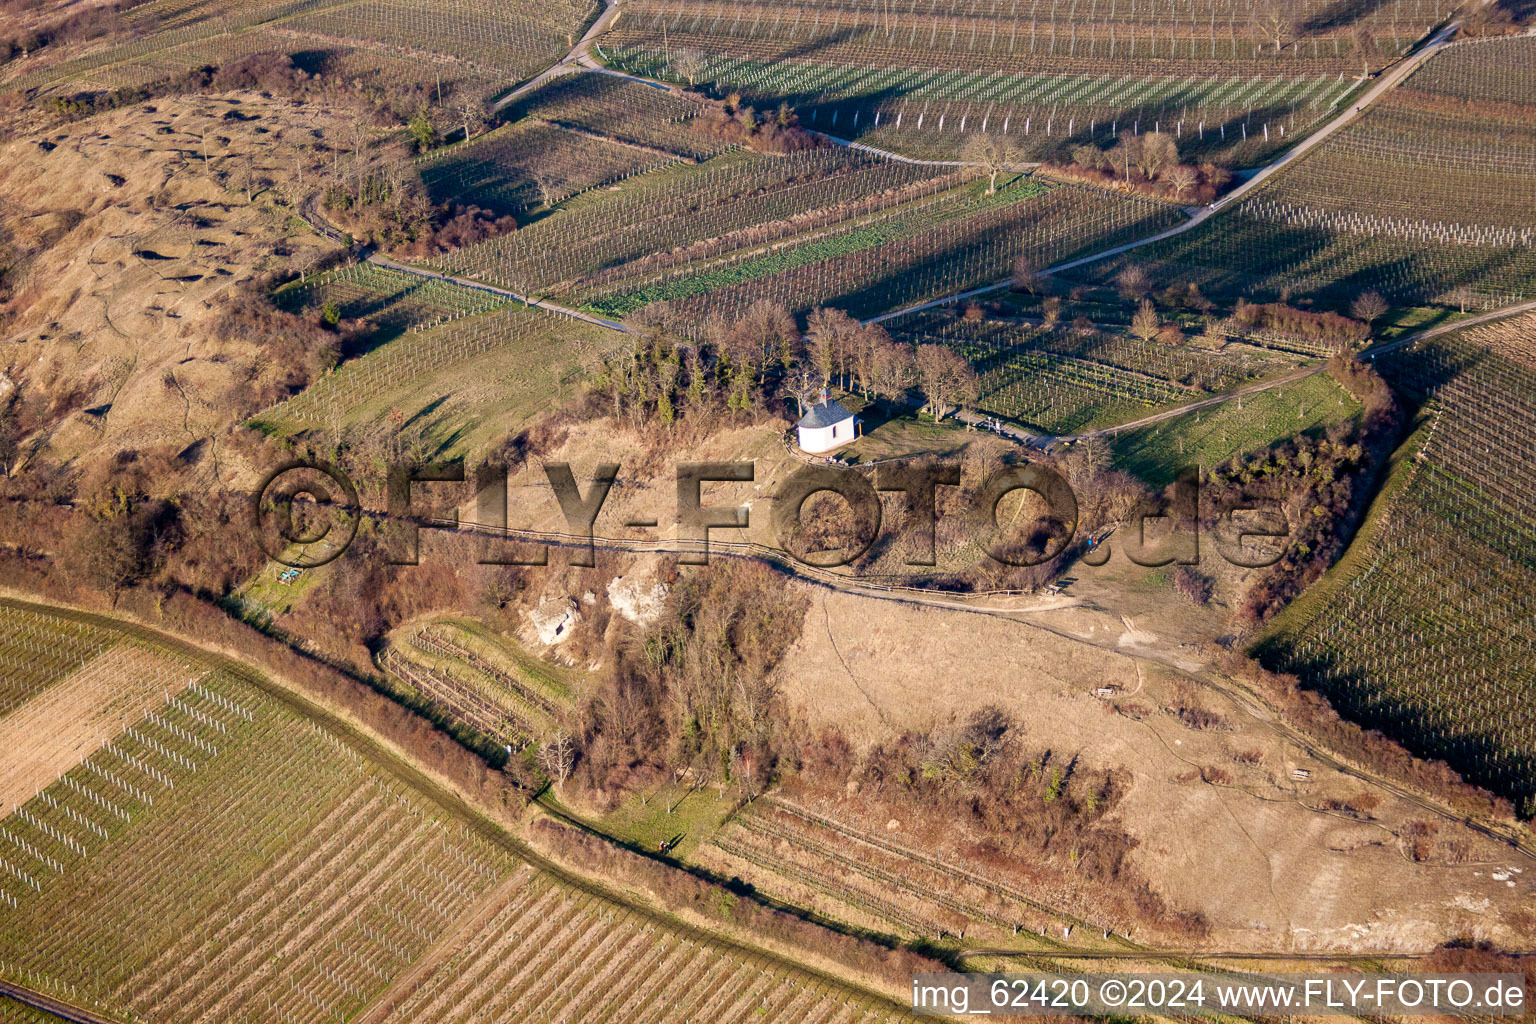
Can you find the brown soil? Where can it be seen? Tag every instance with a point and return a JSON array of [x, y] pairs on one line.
[[68, 722]]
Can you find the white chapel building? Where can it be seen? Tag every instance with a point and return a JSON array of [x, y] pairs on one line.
[[827, 425]]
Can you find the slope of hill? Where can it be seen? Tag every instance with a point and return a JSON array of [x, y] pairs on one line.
[[1449, 555]]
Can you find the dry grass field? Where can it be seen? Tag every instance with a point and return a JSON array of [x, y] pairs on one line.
[[1258, 852], [143, 228]]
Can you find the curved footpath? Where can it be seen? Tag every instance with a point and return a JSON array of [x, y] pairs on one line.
[[579, 60], [1254, 389]]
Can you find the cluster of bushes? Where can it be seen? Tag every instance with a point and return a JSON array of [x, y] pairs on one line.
[[1022, 811], [295, 350], [1496, 18], [1323, 485], [777, 132], [78, 26], [1147, 164], [388, 208], [384, 101], [1279, 318], [693, 691]]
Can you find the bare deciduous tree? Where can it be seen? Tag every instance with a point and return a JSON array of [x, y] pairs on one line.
[[1156, 152], [1272, 19], [891, 367], [557, 756], [1088, 157], [1026, 275], [947, 379], [992, 153], [830, 333], [690, 64], [1370, 307], [804, 384], [547, 190], [473, 115], [1463, 296], [1133, 283], [1050, 313], [1183, 178]]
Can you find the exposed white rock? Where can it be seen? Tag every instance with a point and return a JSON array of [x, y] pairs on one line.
[[554, 620], [637, 599]]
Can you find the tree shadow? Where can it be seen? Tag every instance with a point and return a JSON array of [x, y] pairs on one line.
[[1340, 14]]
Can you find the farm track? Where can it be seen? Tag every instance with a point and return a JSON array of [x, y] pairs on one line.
[[1245, 699], [1045, 440], [1388, 81], [48, 1004], [409, 773]]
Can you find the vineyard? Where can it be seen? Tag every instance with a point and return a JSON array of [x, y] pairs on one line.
[[1514, 338], [1450, 556], [923, 250], [227, 858], [12, 1012], [38, 651], [620, 109], [531, 166], [1065, 381], [632, 967], [478, 687], [864, 877], [1156, 453], [930, 112], [412, 40], [1188, 38], [1226, 78], [730, 201], [512, 41], [883, 227], [1428, 194], [388, 300], [169, 870], [532, 350]]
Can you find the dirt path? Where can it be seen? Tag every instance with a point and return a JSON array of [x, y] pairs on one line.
[[68, 722], [1246, 700], [1387, 82], [575, 60], [1041, 440], [579, 60], [48, 1004], [310, 214]]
